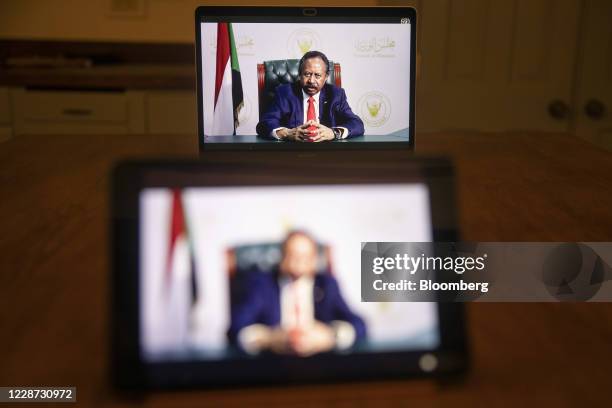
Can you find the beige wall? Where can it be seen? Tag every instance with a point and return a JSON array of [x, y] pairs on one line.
[[163, 20]]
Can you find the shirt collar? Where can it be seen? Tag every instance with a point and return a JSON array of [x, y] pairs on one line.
[[304, 282], [305, 96]]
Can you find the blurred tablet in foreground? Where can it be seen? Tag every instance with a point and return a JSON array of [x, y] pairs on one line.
[[248, 276]]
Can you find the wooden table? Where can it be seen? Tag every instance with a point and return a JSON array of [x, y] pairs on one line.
[[512, 187]]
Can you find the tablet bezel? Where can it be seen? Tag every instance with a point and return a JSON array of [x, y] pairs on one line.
[[129, 371], [297, 13]]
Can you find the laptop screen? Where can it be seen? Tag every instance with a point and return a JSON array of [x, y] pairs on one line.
[[223, 270], [257, 74]]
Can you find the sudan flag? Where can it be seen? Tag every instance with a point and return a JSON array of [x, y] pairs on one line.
[[180, 267], [228, 84]]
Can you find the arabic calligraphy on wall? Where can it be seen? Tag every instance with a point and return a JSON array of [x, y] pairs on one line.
[[245, 45], [375, 47]]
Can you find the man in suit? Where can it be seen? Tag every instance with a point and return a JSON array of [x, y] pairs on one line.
[[310, 110], [294, 309]]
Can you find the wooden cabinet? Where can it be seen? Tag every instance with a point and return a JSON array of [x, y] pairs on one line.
[[497, 65], [489, 65], [593, 107], [50, 112]]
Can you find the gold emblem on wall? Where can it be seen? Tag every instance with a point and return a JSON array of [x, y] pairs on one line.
[[374, 108], [301, 41]]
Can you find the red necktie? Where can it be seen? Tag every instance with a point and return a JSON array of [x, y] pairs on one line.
[[296, 331], [296, 306], [310, 114]]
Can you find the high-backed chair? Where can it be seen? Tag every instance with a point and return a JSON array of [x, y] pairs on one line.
[[271, 74], [265, 257]]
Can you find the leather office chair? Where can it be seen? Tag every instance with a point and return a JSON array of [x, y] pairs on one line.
[[271, 74], [265, 257]]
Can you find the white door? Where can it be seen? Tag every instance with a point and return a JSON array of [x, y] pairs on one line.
[[496, 65], [594, 90]]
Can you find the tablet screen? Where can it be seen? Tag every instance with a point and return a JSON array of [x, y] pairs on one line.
[[257, 73], [258, 272]]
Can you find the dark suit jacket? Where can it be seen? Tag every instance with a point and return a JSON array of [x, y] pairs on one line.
[[287, 110], [260, 303]]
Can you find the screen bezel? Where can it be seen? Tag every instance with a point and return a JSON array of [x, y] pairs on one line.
[[341, 14], [129, 371]]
